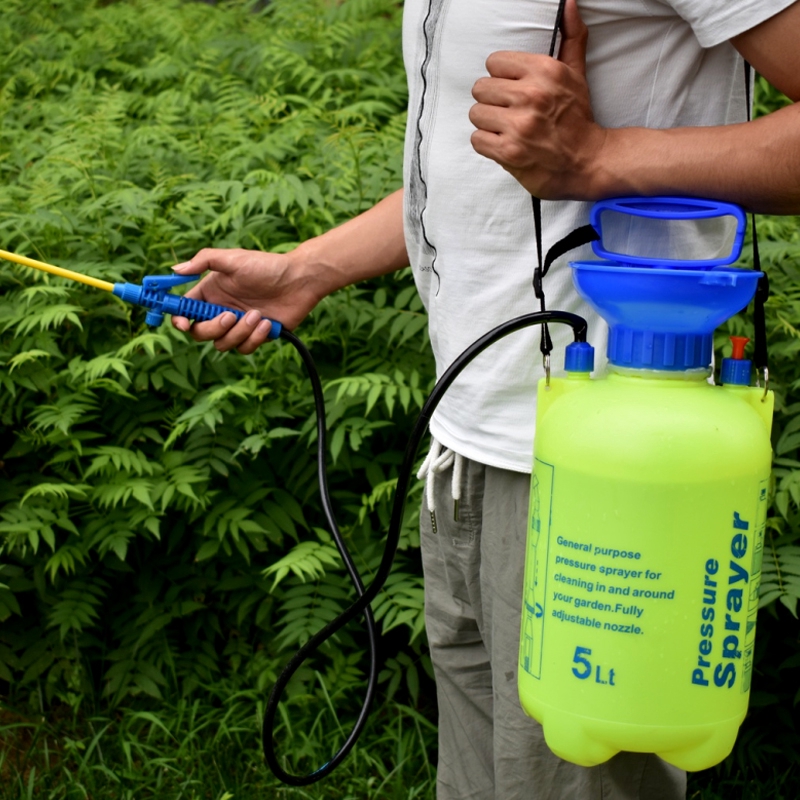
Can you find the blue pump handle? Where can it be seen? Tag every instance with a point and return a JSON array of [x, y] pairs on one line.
[[668, 208], [154, 295]]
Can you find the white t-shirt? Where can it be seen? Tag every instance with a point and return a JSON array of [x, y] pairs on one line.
[[469, 226]]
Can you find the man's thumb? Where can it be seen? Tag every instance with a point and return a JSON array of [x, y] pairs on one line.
[[574, 36], [219, 260]]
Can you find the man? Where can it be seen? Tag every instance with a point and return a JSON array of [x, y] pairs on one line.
[[646, 98]]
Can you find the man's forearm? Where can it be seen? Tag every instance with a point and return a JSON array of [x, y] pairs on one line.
[[366, 246], [755, 164]]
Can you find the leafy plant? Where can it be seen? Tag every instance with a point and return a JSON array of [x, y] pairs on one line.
[[159, 522]]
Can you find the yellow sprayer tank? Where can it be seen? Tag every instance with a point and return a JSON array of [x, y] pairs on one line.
[[646, 529]]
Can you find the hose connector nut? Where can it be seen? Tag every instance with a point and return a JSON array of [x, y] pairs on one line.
[[579, 357]]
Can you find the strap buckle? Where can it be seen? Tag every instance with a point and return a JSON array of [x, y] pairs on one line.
[[766, 383]]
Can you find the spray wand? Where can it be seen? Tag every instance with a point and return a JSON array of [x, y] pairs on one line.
[[153, 294]]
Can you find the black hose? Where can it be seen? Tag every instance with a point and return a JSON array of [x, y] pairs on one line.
[[366, 596], [327, 505]]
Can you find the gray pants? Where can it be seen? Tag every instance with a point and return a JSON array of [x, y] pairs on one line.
[[488, 748]]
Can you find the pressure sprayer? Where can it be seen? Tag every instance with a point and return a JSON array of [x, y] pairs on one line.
[[648, 504], [648, 500]]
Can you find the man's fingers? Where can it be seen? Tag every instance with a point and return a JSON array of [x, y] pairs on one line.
[[575, 36], [240, 333], [513, 65], [198, 290], [495, 91], [486, 144], [505, 150], [246, 335], [213, 329], [209, 290], [226, 333], [256, 338], [486, 117]]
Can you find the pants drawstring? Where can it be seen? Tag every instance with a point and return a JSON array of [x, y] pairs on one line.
[[437, 461]]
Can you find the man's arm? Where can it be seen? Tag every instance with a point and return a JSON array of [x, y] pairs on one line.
[[534, 118], [287, 286]]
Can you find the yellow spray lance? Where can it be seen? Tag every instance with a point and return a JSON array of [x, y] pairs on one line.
[[153, 294], [59, 271]]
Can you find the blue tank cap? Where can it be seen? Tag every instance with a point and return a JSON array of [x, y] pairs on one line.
[[660, 225], [736, 373]]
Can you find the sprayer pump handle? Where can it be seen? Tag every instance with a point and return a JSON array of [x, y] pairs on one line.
[[154, 295]]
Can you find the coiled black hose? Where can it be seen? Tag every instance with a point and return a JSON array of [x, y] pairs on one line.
[[366, 596]]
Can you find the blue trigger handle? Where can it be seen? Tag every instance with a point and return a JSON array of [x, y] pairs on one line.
[[154, 295]]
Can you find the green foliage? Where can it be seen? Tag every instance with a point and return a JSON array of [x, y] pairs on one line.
[[159, 520], [160, 530]]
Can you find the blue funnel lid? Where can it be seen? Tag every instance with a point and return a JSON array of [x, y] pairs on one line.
[[662, 309], [662, 318]]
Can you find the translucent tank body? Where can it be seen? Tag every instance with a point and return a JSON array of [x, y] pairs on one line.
[[642, 571]]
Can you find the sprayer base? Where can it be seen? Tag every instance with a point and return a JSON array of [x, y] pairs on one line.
[[587, 742]]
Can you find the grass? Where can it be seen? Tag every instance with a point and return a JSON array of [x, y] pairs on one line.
[[209, 749], [710, 785]]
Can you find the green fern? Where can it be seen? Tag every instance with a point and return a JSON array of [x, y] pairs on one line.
[[780, 574]]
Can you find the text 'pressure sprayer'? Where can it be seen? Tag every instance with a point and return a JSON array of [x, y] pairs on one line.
[[648, 500]]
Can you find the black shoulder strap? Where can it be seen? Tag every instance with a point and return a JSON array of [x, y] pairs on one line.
[[546, 345], [760, 356]]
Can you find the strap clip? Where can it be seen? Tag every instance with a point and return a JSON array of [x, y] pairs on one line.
[[766, 383]]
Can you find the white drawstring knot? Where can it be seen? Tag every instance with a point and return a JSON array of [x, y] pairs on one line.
[[437, 461]]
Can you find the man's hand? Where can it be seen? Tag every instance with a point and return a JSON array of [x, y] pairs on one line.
[[534, 117], [286, 287], [263, 284]]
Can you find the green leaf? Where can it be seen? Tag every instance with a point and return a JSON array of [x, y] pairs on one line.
[[60, 490], [26, 356], [207, 550], [306, 560]]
